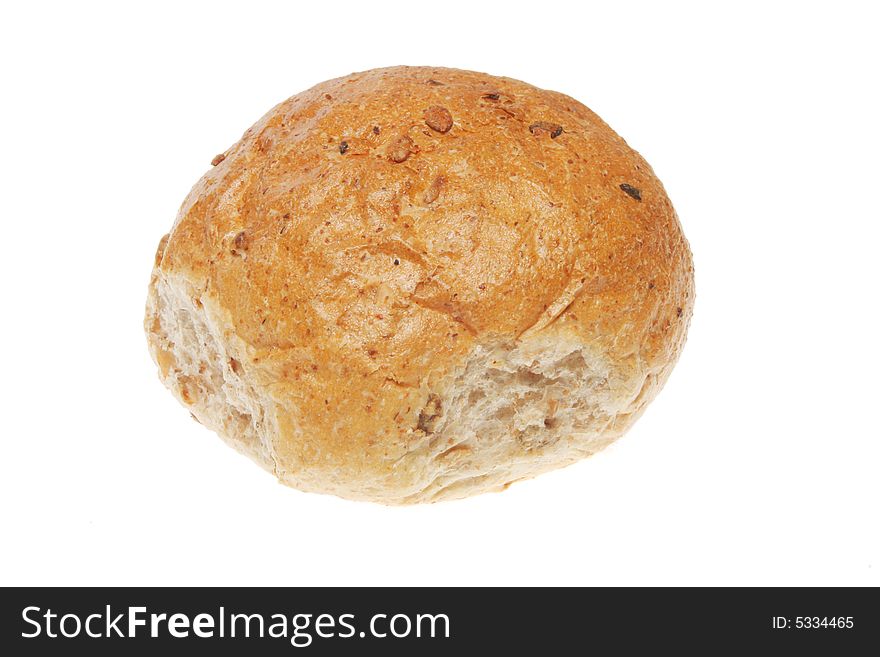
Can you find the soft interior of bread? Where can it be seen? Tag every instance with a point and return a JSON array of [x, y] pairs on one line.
[[196, 364], [517, 410]]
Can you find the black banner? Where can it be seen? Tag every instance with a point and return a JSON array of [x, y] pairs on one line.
[[113, 621]]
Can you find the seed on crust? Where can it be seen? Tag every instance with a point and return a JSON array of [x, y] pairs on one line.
[[554, 129], [239, 244], [633, 192], [433, 190], [438, 118], [399, 150]]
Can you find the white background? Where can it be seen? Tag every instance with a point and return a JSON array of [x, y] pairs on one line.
[[759, 462]]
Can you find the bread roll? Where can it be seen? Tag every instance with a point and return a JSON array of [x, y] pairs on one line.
[[418, 284]]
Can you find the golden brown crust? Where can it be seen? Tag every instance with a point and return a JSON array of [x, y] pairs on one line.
[[368, 234]]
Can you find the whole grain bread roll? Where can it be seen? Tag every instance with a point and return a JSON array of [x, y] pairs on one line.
[[418, 284]]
